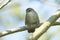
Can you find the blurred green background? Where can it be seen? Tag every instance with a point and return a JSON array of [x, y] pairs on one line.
[[13, 16]]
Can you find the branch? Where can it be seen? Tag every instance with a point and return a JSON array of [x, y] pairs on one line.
[[45, 26], [23, 28], [5, 4], [11, 31]]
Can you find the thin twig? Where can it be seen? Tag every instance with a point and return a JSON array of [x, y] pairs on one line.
[[5, 4]]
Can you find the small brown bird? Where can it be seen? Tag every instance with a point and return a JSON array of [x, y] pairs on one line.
[[31, 19]]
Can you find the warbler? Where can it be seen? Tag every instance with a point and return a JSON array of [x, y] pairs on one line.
[[31, 19]]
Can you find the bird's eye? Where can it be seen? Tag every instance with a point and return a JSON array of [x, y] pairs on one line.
[[29, 10]]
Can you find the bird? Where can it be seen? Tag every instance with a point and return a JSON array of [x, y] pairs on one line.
[[31, 19]]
